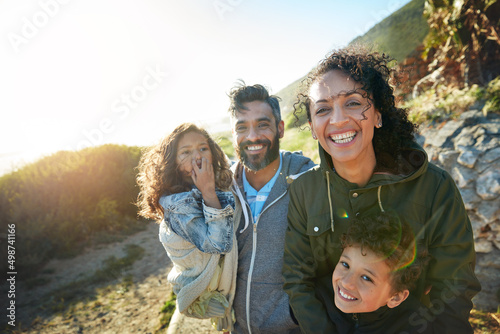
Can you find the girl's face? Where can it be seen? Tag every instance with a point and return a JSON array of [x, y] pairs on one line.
[[190, 149], [342, 119], [361, 283]]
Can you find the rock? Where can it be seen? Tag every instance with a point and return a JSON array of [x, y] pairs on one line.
[[432, 153], [489, 211], [491, 155], [441, 137], [477, 224], [492, 128], [495, 227], [448, 158], [463, 176], [490, 260], [469, 197], [483, 246], [483, 144], [481, 166], [487, 185], [468, 158], [471, 115]]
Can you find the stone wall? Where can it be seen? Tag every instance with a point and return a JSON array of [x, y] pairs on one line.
[[468, 148]]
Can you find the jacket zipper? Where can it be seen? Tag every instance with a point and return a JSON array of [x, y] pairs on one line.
[[252, 261]]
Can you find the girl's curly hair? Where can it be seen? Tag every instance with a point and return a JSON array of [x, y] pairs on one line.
[[159, 173], [388, 237], [371, 70]]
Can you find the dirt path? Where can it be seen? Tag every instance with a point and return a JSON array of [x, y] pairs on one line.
[[115, 307]]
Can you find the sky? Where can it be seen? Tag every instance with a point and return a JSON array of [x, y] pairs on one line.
[[80, 73]]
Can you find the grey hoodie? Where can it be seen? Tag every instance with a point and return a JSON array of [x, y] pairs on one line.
[[260, 255]]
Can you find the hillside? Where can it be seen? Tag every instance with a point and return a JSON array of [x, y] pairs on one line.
[[398, 35]]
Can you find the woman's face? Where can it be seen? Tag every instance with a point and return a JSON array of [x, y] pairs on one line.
[[191, 148], [342, 119]]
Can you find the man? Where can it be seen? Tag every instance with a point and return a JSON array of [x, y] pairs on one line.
[[263, 175]]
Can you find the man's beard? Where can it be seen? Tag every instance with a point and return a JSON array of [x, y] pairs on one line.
[[255, 162]]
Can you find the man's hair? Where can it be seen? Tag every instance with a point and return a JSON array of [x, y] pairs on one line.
[[241, 93], [385, 235]]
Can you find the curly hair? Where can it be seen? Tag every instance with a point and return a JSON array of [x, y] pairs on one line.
[[241, 93], [159, 173], [388, 237], [372, 71]]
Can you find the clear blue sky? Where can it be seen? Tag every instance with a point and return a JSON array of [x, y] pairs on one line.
[[77, 73]]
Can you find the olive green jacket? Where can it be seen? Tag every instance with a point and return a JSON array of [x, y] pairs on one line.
[[321, 206]]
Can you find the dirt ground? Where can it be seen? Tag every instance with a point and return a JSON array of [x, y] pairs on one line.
[[112, 308]]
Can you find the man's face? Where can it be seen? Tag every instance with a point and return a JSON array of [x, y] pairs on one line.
[[256, 135]]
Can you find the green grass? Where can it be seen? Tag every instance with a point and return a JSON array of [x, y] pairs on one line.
[[166, 311]]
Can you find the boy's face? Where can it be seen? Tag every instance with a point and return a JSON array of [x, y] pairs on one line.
[[362, 283]]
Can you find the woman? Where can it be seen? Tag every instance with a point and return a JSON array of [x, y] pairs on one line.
[[370, 163]]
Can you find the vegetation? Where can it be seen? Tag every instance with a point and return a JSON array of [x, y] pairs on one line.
[[448, 101], [167, 311], [464, 37], [400, 33], [59, 203]]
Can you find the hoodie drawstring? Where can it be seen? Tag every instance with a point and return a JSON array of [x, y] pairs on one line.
[[329, 197], [379, 199]]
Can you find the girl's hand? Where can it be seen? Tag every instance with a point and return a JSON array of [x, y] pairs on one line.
[[203, 177]]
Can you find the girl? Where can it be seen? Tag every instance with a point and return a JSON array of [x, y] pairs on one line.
[[184, 184]]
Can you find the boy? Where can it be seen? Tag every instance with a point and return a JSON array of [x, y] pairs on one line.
[[373, 278]]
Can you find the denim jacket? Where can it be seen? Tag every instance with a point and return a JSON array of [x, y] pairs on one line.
[[209, 229], [200, 241]]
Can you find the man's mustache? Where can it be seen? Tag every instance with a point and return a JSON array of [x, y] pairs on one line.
[[257, 142]]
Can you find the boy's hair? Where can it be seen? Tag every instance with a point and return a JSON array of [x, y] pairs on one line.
[[241, 93], [385, 235], [159, 173]]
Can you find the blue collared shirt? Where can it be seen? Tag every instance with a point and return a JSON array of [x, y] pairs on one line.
[[256, 199]]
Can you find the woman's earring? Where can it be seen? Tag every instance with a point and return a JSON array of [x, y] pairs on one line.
[[314, 137], [380, 124]]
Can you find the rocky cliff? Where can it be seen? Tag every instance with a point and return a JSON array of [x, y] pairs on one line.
[[468, 148]]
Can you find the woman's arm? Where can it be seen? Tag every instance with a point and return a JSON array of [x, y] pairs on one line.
[[299, 270], [451, 270]]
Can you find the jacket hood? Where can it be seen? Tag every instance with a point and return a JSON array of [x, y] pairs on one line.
[[411, 164]]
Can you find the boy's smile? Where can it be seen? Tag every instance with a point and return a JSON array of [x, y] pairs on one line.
[[361, 281]]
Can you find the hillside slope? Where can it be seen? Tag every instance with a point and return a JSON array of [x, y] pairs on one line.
[[398, 35]]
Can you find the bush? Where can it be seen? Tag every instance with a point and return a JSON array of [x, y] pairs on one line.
[[59, 202]]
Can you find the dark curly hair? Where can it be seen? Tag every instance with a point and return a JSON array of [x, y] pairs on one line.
[[159, 174], [372, 71], [385, 235], [241, 93]]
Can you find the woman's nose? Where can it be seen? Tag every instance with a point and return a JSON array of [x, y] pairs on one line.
[[338, 117]]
